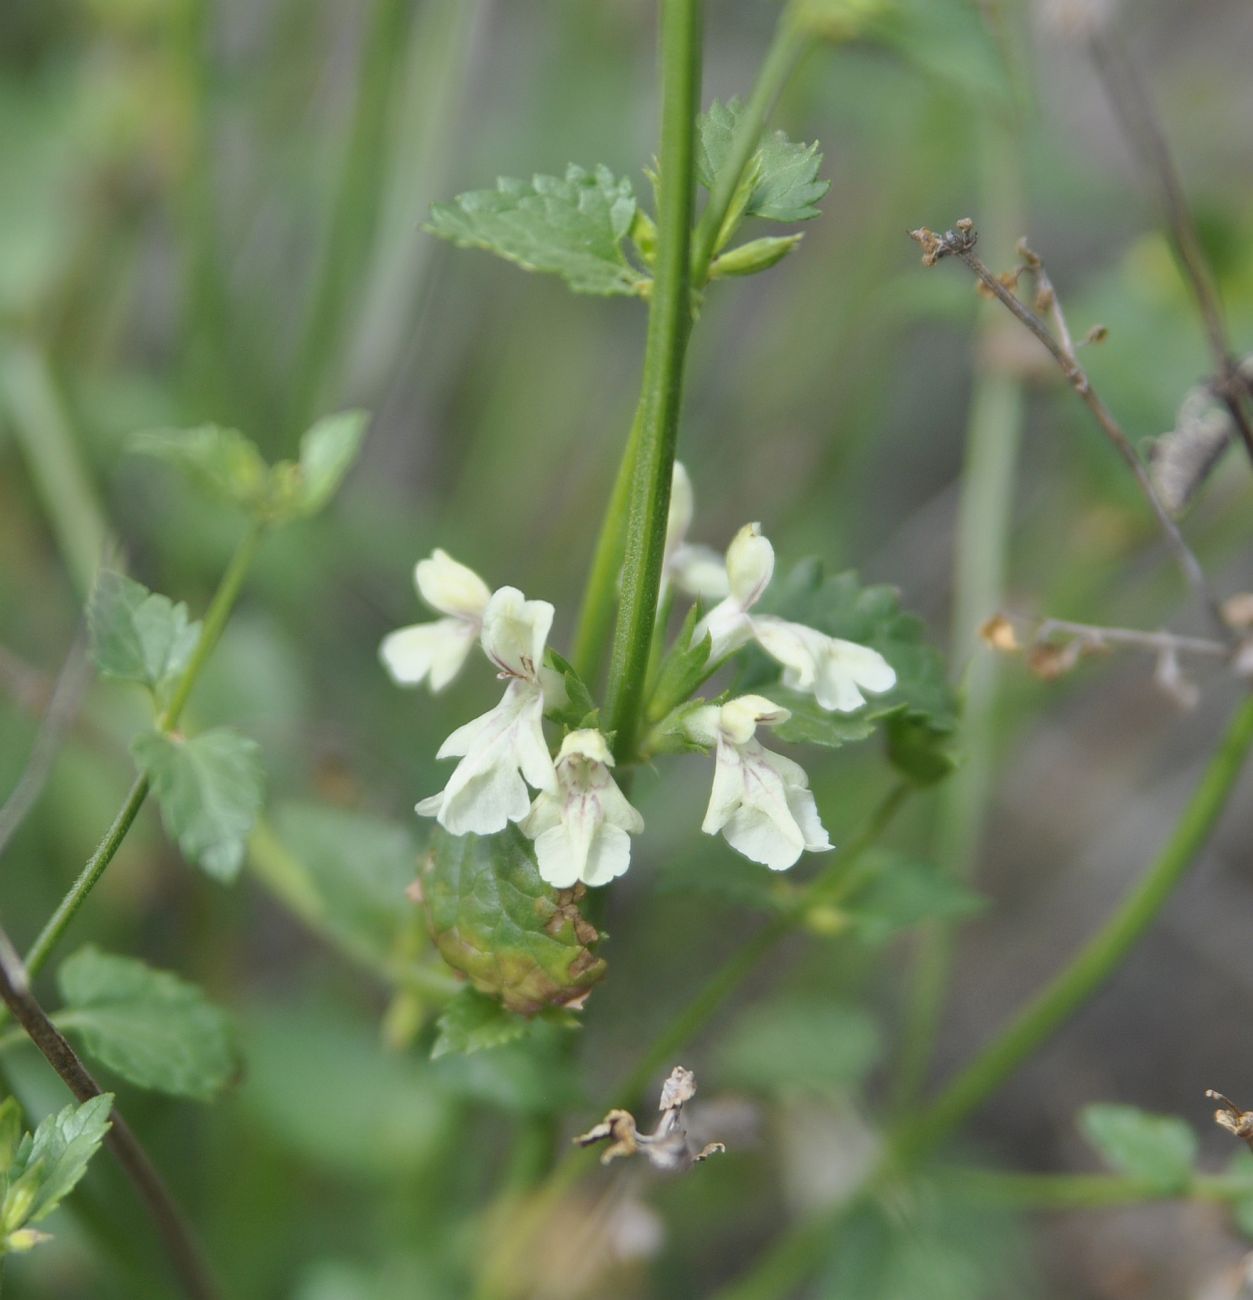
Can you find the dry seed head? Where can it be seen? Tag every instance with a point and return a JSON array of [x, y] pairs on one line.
[[998, 633]]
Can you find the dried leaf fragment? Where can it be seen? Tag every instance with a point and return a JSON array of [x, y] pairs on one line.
[[1237, 1122], [998, 633], [667, 1147]]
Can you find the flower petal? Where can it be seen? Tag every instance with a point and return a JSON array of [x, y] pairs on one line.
[[434, 652], [450, 587], [515, 631], [700, 571], [750, 565]]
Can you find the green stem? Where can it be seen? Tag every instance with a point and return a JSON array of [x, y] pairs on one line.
[[42, 428], [596, 614], [782, 1269], [1090, 1191], [1096, 962], [669, 325], [791, 41], [215, 620], [353, 214], [59, 921]]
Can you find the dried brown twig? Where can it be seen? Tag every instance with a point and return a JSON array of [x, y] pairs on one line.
[[667, 1147], [121, 1140], [1237, 1122], [1134, 109], [960, 243]]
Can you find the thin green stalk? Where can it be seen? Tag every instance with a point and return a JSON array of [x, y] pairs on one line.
[[669, 325], [59, 921], [215, 620], [1096, 962], [596, 614], [791, 41], [354, 208], [782, 1269], [39, 421], [1090, 1191], [789, 44], [984, 522]]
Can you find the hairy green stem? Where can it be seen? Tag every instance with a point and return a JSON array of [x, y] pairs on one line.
[[596, 614], [215, 620], [1096, 962], [669, 325], [789, 43]]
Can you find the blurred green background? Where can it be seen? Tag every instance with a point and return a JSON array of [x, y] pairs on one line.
[[210, 212]]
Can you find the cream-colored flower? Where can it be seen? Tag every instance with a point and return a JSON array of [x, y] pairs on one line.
[[761, 801], [582, 828], [504, 749], [694, 569], [435, 652], [834, 671]]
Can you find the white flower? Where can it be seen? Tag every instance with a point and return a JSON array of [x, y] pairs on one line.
[[504, 749], [581, 829], [435, 652], [749, 566], [761, 801], [829, 669], [835, 672], [696, 570]]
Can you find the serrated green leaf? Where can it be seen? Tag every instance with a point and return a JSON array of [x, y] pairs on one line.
[[785, 174], [472, 1022], [921, 709], [804, 1044], [209, 789], [54, 1158], [811, 724], [137, 635], [149, 1026], [221, 461], [496, 921], [1158, 1148], [327, 452], [579, 704], [899, 892], [571, 226], [841, 607]]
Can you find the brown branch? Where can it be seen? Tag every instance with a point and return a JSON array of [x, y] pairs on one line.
[[960, 243], [120, 1139], [1134, 110]]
